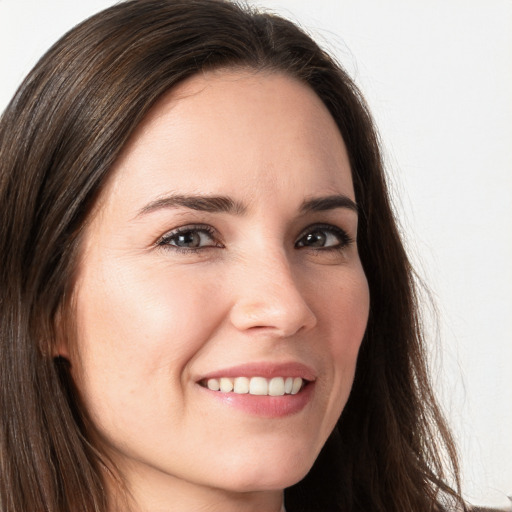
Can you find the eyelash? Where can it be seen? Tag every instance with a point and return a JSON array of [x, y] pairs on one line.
[[344, 239], [165, 242]]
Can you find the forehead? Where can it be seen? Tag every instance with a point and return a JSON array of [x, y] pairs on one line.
[[235, 132]]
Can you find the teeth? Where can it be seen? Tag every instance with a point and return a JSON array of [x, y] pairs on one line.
[[241, 385], [297, 384], [277, 386], [258, 386], [213, 384], [226, 385]]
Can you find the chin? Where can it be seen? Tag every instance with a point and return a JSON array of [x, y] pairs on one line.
[[269, 474], [262, 483]]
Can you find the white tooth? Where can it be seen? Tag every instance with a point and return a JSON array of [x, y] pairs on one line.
[[226, 384], [297, 384], [288, 385], [258, 386], [241, 385], [213, 384], [276, 386]]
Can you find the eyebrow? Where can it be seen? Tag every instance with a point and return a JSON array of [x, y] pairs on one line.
[[225, 204], [211, 204], [320, 204]]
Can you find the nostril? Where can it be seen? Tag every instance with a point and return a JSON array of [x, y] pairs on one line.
[[285, 317]]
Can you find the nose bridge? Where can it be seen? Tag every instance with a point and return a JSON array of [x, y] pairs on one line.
[[269, 294]]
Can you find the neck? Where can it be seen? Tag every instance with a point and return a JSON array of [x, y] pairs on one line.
[[162, 493]]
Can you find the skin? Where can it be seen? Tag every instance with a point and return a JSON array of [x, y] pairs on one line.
[[152, 319]]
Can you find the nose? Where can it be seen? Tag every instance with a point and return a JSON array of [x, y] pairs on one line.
[[269, 298]]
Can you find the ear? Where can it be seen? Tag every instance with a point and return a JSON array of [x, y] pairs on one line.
[[60, 346], [60, 349]]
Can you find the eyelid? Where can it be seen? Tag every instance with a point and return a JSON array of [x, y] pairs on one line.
[[346, 239], [205, 228], [164, 241]]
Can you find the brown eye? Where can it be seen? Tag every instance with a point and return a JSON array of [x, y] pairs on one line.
[[187, 239], [192, 238], [316, 239], [324, 237]]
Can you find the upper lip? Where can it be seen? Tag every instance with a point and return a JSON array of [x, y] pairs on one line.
[[264, 369]]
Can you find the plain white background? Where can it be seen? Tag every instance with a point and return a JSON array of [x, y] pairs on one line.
[[438, 77]]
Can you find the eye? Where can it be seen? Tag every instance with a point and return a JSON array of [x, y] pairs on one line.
[[190, 238], [324, 237]]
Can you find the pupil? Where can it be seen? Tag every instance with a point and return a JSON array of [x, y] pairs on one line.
[[189, 239], [317, 239]]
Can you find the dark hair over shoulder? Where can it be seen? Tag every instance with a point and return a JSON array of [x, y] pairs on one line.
[[60, 136]]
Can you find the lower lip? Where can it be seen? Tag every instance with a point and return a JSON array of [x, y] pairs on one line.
[[265, 406]]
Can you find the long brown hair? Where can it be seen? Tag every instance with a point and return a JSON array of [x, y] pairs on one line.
[[59, 137]]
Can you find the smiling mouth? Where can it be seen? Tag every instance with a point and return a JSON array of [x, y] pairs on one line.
[[260, 386]]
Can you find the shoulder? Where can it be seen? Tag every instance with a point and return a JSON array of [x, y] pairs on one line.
[[491, 509]]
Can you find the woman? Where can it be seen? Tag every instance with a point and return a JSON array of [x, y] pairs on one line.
[[205, 299]]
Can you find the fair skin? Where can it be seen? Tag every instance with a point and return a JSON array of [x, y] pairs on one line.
[[267, 283]]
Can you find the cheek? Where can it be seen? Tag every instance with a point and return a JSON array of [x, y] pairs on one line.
[[137, 328], [345, 310], [346, 315]]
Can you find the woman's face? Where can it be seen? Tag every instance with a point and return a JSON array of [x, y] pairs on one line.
[[222, 253]]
